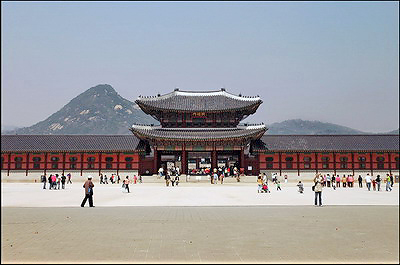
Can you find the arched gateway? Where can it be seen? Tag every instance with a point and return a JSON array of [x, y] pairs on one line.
[[199, 129]]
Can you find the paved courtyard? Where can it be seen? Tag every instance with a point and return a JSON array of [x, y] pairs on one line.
[[198, 223]]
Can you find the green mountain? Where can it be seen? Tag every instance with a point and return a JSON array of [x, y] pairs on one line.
[[101, 110], [98, 110]]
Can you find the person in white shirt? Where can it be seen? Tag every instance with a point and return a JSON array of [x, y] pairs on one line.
[[368, 180]]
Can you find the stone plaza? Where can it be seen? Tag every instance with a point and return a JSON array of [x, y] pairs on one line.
[[198, 223]]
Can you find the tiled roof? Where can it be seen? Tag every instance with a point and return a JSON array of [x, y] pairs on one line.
[[41, 143], [198, 134], [328, 143], [198, 101]]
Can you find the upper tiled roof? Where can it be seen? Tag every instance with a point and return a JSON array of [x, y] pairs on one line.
[[382, 142], [42, 143], [198, 101], [198, 134]]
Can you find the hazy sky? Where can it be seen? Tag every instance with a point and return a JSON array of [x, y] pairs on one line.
[[330, 61]]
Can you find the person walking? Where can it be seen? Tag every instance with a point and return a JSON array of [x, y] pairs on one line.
[[44, 180], [176, 180], [391, 180], [368, 182], [105, 179], [101, 179], [388, 184], [63, 178], [318, 189], [167, 178], [378, 182], [126, 182], [69, 178], [88, 185], [135, 179], [221, 177], [118, 179], [278, 185], [360, 181]]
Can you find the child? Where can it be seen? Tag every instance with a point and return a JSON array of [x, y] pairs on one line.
[[301, 187]]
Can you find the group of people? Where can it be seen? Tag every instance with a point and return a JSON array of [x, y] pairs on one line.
[[376, 182], [55, 181]]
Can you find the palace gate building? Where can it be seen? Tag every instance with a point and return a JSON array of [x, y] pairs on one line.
[[198, 130]]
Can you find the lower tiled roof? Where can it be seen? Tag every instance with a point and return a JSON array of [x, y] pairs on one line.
[[381, 142], [198, 134], [41, 143]]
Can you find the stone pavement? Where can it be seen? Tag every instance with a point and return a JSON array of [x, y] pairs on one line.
[[198, 223]]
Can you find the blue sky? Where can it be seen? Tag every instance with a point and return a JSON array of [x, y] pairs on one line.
[[330, 61]]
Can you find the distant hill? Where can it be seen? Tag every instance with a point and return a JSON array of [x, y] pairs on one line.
[[298, 126], [98, 110], [101, 110], [394, 132]]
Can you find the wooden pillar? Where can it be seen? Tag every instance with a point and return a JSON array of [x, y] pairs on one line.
[[280, 164], [390, 162], [213, 160], [155, 160], [9, 164], [81, 164], [118, 155], [352, 161], [298, 164], [316, 163], [184, 162], [370, 162], [242, 158], [100, 153], [27, 164], [334, 163], [63, 163], [45, 163]]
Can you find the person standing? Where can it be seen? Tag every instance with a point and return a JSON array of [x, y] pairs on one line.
[[318, 189], [328, 181], [63, 178], [50, 181], [135, 179], [221, 177], [69, 178], [368, 182], [54, 182], [391, 180], [344, 179], [88, 185], [338, 181], [378, 182], [105, 179], [360, 181], [177, 179], [118, 179], [101, 179], [126, 182], [286, 179], [167, 178], [44, 180], [259, 183]]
